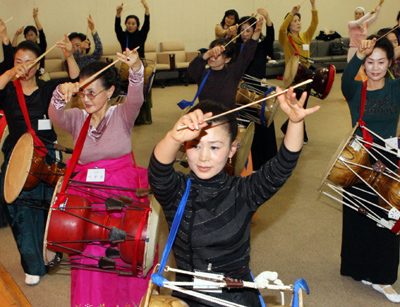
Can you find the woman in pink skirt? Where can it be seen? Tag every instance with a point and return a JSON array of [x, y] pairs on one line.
[[107, 146]]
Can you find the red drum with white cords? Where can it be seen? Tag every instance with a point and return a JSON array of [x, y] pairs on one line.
[[72, 225]]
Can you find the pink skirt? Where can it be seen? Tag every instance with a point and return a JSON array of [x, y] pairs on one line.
[[94, 288]]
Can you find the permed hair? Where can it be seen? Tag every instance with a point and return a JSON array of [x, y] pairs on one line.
[[108, 78]]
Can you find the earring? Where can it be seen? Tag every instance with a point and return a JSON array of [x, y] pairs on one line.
[[230, 160], [109, 98]]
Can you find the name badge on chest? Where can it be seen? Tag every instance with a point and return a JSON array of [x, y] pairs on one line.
[[44, 124], [306, 47], [96, 175]]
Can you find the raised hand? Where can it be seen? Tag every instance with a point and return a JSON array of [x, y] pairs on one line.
[[68, 90], [119, 9], [90, 23], [194, 122], [131, 58]]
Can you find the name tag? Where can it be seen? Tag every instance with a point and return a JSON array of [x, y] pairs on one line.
[[306, 47], [96, 175], [393, 143], [44, 124]]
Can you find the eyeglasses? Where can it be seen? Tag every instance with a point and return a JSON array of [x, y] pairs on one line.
[[90, 95]]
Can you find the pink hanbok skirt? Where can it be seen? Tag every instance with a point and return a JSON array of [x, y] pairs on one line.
[[94, 288]]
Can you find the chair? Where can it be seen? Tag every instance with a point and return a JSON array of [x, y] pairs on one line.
[[181, 57], [54, 65], [110, 54]]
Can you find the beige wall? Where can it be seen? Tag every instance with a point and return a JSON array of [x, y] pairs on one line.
[[191, 21]]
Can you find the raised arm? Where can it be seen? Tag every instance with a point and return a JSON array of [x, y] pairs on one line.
[[375, 14], [314, 21], [283, 33], [294, 110], [134, 98], [17, 33], [146, 7], [36, 18], [66, 47], [98, 46], [8, 57]]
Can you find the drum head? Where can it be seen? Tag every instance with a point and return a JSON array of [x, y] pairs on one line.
[[290, 71], [245, 138], [47, 254], [18, 167], [152, 235], [338, 152]]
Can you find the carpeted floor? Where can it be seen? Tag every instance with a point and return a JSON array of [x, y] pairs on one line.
[[297, 233]]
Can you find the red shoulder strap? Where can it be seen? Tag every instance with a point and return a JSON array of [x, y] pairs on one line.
[[39, 146], [296, 52], [366, 135], [74, 160]]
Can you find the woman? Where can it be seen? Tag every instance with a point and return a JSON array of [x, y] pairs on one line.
[[227, 28], [32, 33], [215, 228], [394, 69], [264, 146], [28, 223], [289, 34], [132, 37], [81, 46], [221, 81], [370, 254], [107, 146], [359, 27]]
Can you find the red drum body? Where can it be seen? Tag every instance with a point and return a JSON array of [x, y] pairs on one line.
[[322, 75], [73, 225], [77, 225]]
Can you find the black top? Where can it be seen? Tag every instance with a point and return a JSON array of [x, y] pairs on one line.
[[264, 48], [8, 58], [135, 39], [37, 104], [221, 85], [215, 226], [43, 46]]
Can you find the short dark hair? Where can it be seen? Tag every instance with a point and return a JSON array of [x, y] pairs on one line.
[[81, 36], [295, 14], [135, 17], [230, 13], [230, 50], [384, 44], [251, 20], [108, 78], [30, 28], [209, 105], [29, 45]]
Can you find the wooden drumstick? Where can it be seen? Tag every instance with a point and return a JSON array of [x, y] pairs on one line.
[[8, 20], [92, 77], [240, 33], [388, 32], [252, 103]]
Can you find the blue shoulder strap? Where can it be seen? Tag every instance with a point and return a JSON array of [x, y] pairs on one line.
[[184, 103]]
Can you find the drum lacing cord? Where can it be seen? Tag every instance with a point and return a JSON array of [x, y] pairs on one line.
[[22, 104], [75, 185]]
